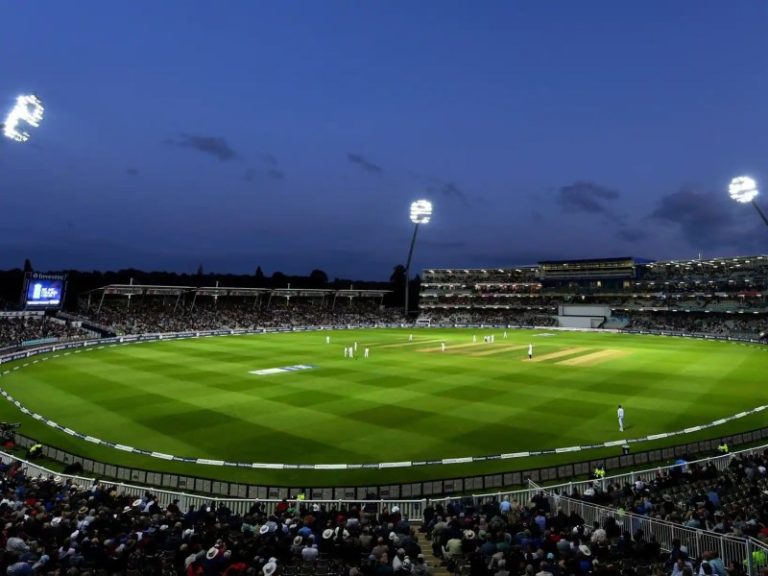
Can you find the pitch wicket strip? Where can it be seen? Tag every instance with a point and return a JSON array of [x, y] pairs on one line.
[[560, 354], [594, 358], [499, 350]]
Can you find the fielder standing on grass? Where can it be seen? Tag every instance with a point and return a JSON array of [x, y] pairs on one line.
[[530, 351], [620, 414]]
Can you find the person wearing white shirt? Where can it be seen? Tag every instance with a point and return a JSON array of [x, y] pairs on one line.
[[620, 414], [530, 351]]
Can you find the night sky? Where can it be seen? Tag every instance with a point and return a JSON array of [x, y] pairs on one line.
[[293, 135]]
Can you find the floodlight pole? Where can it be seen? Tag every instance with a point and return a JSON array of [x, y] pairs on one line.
[[759, 211], [408, 267]]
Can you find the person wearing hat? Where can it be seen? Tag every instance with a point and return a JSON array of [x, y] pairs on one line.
[[325, 545], [270, 567], [297, 546]]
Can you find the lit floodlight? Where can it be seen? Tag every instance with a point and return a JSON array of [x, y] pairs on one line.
[[421, 211], [29, 110], [743, 189]]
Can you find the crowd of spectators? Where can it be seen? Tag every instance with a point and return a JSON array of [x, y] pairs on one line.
[[698, 496], [52, 527], [495, 316], [747, 326], [16, 329], [507, 537], [146, 315]]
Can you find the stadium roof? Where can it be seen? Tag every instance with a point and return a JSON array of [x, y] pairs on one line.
[[588, 260], [154, 290]]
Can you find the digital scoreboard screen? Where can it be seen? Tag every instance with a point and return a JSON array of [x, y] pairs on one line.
[[44, 291]]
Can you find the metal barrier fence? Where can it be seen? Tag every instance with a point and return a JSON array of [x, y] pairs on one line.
[[566, 489], [697, 541], [750, 553], [493, 483], [411, 508]]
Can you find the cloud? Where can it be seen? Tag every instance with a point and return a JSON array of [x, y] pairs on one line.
[[450, 190], [132, 171], [709, 220], [436, 187], [211, 145], [703, 218], [365, 164], [585, 197]]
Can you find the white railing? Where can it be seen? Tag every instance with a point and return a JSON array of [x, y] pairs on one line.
[[412, 509], [747, 552], [647, 475]]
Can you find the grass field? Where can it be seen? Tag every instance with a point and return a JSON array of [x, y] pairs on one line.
[[409, 401]]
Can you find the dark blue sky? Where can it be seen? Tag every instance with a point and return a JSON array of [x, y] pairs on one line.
[[293, 135]]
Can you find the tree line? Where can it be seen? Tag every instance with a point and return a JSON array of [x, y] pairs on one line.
[[80, 282]]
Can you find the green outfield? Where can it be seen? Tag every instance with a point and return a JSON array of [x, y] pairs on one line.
[[408, 401]]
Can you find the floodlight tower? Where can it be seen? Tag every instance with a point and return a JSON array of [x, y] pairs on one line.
[[743, 189], [28, 110], [421, 213]]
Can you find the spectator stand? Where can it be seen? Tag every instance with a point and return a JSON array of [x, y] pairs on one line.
[[731, 549]]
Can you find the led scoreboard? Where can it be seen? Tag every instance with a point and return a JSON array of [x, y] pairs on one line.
[[44, 291]]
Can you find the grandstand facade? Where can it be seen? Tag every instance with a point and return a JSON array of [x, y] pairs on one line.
[[725, 296]]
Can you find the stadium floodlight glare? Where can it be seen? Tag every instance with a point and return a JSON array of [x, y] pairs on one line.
[[28, 110], [743, 189], [421, 213]]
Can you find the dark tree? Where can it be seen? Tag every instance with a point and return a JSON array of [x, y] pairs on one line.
[[28, 265], [279, 280], [259, 274], [318, 278], [397, 282]]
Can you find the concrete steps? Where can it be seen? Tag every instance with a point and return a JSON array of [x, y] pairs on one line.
[[435, 564]]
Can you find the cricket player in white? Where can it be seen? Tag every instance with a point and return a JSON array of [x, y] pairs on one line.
[[410, 337], [355, 346], [474, 339], [365, 353], [620, 414], [442, 346], [505, 335], [346, 352], [327, 339], [530, 351]]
